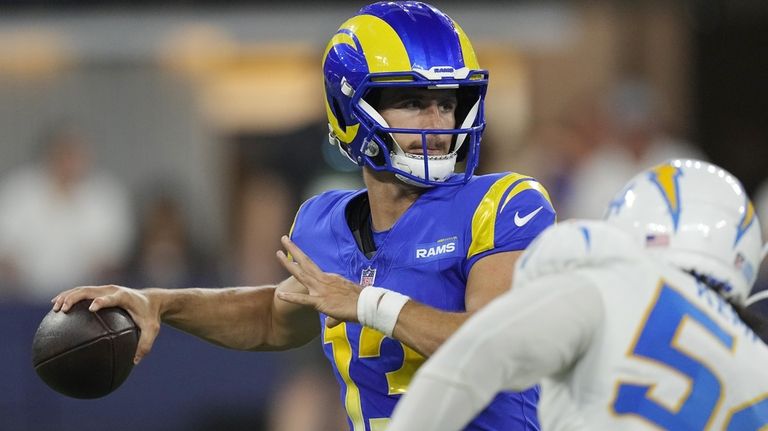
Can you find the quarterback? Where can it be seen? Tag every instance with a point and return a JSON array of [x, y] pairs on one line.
[[382, 275], [630, 323]]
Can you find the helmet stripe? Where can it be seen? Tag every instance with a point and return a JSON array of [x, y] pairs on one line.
[[746, 221], [376, 36], [339, 38], [665, 177], [467, 52], [345, 135]]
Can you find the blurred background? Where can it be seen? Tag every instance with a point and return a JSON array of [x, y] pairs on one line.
[[169, 143]]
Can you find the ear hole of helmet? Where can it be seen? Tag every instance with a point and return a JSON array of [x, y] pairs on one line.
[[373, 98]]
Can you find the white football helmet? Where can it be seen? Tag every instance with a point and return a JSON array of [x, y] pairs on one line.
[[696, 216]]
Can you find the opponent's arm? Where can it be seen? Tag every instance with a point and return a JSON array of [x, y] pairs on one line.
[[526, 334], [246, 318]]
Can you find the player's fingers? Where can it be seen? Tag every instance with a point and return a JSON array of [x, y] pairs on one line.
[[299, 257], [149, 331], [293, 267], [67, 299], [297, 298], [107, 301]]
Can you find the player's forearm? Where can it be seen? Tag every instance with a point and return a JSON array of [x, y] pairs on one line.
[[237, 318], [424, 328]]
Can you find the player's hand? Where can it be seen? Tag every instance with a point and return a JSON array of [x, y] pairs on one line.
[[144, 311], [329, 293]]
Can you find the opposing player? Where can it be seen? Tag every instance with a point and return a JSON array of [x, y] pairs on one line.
[[628, 322], [405, 100]]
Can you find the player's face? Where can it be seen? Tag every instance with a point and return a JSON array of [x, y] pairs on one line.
[[420, 108]]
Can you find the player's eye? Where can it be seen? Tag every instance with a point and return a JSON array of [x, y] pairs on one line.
[[411, 104], [448, 105]]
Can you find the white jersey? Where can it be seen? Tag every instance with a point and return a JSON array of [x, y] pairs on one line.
[[618, 340]]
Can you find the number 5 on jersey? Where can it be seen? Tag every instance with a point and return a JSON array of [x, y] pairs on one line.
[[700, 403]]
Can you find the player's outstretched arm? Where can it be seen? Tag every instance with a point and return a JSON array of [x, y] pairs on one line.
[[245, 318], [511, 344], [419, 326]]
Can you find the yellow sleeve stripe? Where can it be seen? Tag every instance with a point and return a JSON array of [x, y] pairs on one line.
[[484, 219], [526, 185]]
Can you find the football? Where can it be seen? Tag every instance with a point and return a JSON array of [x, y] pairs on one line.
[[83, 354]]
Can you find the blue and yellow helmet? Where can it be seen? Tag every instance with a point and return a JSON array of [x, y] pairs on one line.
[[403, 44]]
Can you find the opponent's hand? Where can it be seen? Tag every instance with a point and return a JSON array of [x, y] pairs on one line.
[[329, 293], [144, 311]]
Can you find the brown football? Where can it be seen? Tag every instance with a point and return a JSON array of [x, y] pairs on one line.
[[83, 354]]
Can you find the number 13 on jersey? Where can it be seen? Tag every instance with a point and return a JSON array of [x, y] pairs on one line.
[[369, 348]]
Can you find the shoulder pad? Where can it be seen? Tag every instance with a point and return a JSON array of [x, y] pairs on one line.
[[575, 244]]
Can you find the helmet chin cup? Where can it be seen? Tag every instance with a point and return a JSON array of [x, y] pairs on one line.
[[434, 168]]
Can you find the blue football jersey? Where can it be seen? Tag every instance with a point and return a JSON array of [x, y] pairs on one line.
[[427, 255]]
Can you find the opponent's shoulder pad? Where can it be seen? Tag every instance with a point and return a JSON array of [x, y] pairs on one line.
[[575, 244]]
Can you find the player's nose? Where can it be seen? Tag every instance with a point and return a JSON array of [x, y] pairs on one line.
[[433, 117]]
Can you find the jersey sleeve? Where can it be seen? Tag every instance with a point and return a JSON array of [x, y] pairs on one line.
[[298, 218], [312, 215], [513, 211], [523, 336]]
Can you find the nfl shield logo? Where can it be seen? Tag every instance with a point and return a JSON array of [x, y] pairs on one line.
[[367, 277]]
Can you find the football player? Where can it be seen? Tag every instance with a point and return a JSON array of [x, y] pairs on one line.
[[630, 323], [405, 101]]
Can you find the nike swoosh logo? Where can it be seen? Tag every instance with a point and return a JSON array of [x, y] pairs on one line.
[[521, 221]]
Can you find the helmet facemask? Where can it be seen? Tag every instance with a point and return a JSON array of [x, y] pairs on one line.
[[381, 152]]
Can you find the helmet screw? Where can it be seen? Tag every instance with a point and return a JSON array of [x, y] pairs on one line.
[[371, 149]]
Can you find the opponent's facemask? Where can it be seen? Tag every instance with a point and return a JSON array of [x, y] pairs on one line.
[[403, 44], [696, 216]]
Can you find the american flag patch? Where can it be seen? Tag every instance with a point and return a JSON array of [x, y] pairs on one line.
[[739, 261], [657, 240]]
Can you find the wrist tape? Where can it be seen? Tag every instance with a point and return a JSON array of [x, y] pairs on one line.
[[379, 308]]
